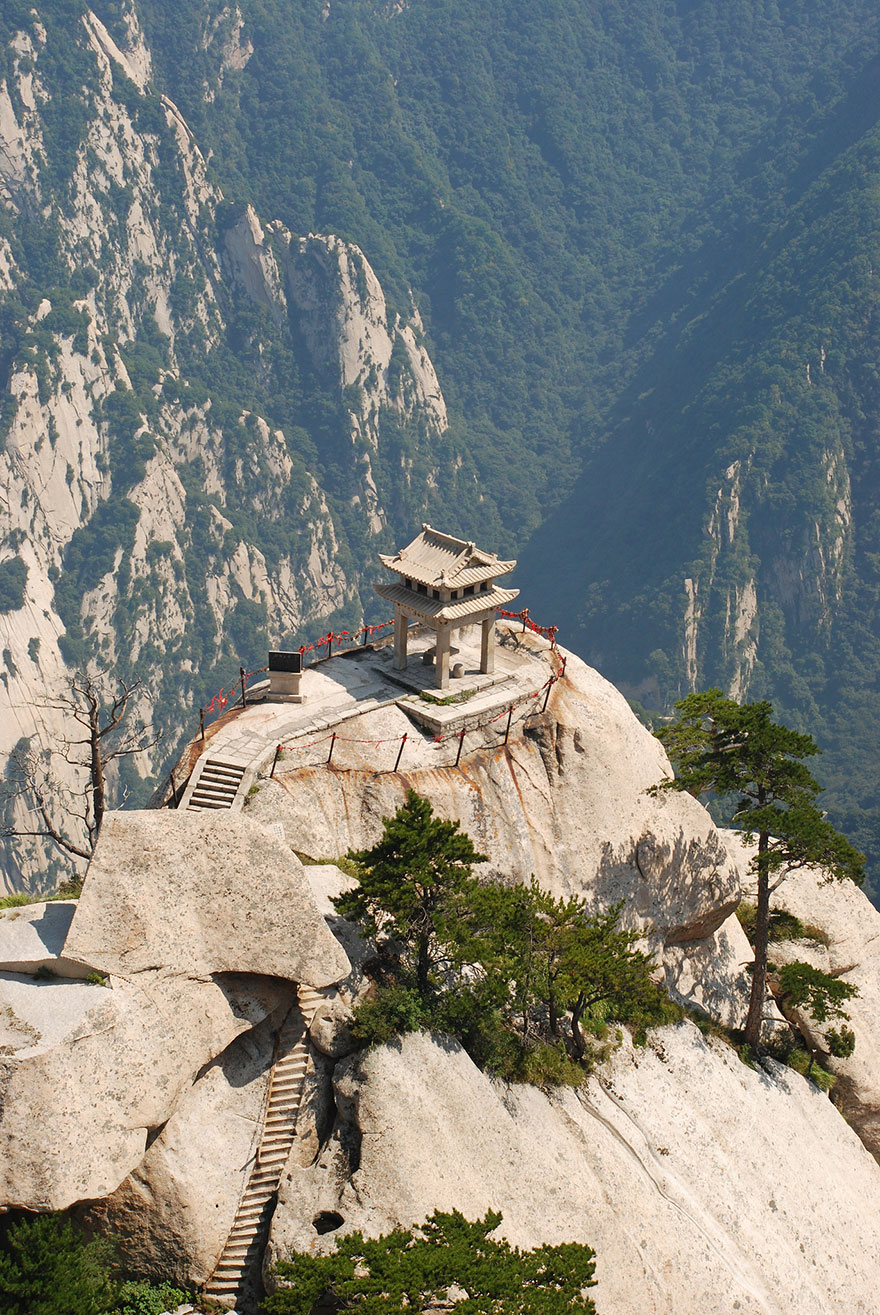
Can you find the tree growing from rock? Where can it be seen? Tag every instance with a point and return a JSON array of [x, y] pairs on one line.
[[446, 1264], [408, 878], [555, 957], [500, 967], [103, 730], [738, 753]]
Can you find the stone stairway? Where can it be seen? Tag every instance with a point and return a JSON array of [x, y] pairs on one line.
[[217, 785], [235, 1281]]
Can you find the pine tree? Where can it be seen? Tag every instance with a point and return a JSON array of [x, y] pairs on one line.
[[406, 879], [737, 751], [409, 1270]]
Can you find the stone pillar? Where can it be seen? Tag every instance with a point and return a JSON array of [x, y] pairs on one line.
[[441, 659], [400, 636], [487, 646]]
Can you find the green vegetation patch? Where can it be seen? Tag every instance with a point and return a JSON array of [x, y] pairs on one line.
[[528, 984], [13, 581], [784, 926], [48, 1267], [415, 1269]]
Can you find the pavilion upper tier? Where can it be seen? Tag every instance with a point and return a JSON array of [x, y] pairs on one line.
[[444, 578]]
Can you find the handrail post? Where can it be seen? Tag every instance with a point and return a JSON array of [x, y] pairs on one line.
[[332, 747], [460, 743], [509, 720], [202, 722], [400, 751], [550, 684], [275, 760], [243, 697]]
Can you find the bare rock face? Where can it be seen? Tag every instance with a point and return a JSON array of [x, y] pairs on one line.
[[87, 1072], [200, 895], [709, 974], [702, 1184], [174, 1212], [568, 802], [32, 939], [203, 925]]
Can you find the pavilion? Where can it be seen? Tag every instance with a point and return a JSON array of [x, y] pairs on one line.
[[445, 583]]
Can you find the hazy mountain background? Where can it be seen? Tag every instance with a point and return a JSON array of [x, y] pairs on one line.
[[604, 297]]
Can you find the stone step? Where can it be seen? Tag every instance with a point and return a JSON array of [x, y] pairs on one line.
[[286, 1082], [266, 1187], [293, 1070], [214, 791], [227, 785]]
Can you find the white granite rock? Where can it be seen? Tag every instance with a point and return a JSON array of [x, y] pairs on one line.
[[174, 1212], [710, 975], [32, 937], [705, 1187], [86, 1072], [329, 1030], [566, 802], [199, 894]]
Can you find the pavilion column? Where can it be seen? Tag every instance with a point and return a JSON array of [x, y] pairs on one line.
[[400, 636], [487, 646], [441, 658]]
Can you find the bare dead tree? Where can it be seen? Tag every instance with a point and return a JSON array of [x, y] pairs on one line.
[[110, 731]]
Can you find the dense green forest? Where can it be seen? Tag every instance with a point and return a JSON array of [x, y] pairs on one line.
[[641, 238]]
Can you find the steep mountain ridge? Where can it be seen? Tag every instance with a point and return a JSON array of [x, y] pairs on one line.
[[306, 275], [748, 448], [150, 525], [703, 1183]]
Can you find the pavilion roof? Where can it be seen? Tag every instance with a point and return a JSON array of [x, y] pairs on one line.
[[443, 561], [457, 609]]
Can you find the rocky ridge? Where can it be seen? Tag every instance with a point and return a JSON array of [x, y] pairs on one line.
[[159, 524], [704, 1185]]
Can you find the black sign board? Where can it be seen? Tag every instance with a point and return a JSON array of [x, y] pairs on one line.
[[292, 663]]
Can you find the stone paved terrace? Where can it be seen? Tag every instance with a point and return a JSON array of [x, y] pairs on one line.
[[360, 697]]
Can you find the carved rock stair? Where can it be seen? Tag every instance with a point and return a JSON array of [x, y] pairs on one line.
[[236, 1277], [217, 785]]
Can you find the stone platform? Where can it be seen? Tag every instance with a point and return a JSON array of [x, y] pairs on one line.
[[471, 699], [361, 682]]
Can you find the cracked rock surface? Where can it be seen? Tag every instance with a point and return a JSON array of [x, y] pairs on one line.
[[702, 1184]]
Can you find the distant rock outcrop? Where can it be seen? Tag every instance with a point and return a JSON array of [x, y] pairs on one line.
[[125, 484]]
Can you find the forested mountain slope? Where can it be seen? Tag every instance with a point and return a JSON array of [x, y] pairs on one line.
[[620, 233], [746, 450]]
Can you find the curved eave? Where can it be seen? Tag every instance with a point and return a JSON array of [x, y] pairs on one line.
[[457, 609]]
